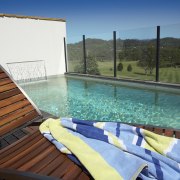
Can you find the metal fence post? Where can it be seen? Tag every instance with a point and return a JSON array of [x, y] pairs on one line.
[[65, 54], [84, 54], [114, 53], [157, 53]]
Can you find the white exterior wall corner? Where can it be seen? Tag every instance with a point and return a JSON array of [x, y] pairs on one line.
[[30, 40]]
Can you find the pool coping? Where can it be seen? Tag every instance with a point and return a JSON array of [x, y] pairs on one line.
[[127, 80]]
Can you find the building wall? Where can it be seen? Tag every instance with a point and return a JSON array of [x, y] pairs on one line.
[[23, 39]]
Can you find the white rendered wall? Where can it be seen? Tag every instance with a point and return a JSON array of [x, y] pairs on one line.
[[30, 39]]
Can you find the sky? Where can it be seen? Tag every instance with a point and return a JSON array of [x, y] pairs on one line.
[[96, 18]]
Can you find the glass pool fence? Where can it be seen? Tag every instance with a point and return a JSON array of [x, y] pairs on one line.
[[146, 54]]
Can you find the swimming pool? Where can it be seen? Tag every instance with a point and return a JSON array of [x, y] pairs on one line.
[[99, 100]]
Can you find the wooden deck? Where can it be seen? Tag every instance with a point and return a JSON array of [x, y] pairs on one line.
[[161, 131]]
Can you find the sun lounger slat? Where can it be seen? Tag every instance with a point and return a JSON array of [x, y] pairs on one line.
[[7, 87], [16, 114], [3, 75], [73, 173], [83, 176], [1, 71], [53, 165], [62, 169], [33, 152], [46, 159], [19, 145], [14, 124], [30, 129], [11, 100], [42, 158], [5, 81], [23, 151], [10, 93], [41, 154], [13, 107]]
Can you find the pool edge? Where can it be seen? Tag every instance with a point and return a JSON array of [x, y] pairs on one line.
[[151, 85]]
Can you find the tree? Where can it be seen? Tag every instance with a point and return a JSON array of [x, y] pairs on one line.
[[129, 68], [92, 66], [148, 59], [170, 57], [120, 67], [121, 55]]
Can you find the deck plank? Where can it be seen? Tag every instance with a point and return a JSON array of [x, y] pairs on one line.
[[177, 134], [149, 128], [169, 133], [158, 131]]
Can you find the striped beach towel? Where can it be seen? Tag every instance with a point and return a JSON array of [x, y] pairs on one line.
[[110, 150]]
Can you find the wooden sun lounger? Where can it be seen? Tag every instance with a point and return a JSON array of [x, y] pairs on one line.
[[24, 149], [25, 153]]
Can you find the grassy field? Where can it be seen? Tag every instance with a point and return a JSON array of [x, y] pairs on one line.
[[170, 75]]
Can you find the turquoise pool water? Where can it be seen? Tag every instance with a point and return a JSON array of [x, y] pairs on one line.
[[88, 99]]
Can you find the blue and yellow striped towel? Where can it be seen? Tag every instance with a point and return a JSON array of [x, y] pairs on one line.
[[115, 151]]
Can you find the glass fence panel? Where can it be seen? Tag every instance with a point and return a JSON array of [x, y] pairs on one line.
[[170, 54], [75, 54], [136, 53], [99, 53]]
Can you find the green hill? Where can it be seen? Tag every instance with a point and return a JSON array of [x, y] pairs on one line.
[[129, 49]]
